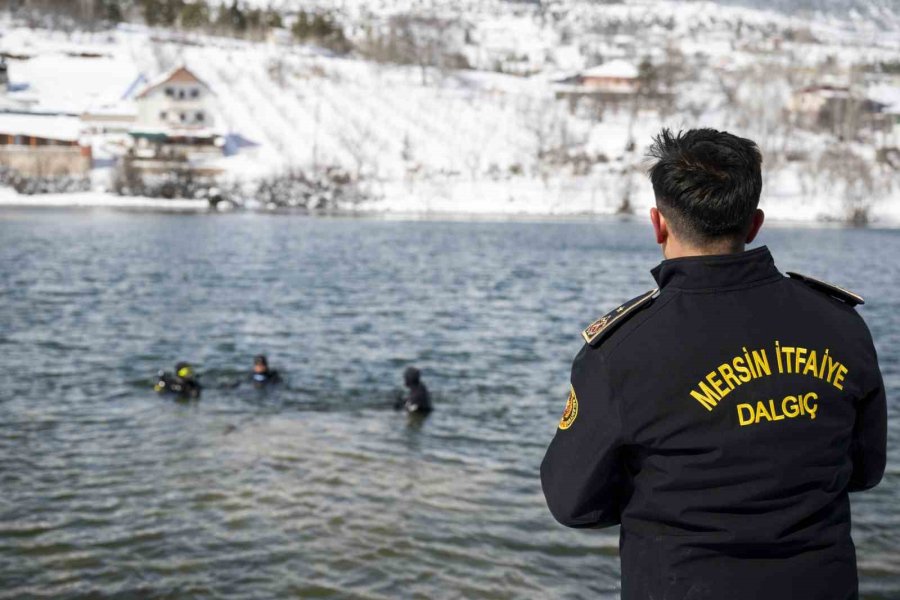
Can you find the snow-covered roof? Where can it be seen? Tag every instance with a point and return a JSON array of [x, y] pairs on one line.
[[885, 94], [51, 127], [112, 109], [180, 74], [615, 68], [826, 91]]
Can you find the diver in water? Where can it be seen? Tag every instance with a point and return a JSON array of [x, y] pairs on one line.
[[417, 400], [262, 374], [183, 384]]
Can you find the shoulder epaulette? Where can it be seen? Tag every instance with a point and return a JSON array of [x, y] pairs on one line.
[[603, 326], [829, 288]]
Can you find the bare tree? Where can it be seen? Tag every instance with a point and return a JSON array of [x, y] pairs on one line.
[[473, 161], [414, 39], [854, 178], [354, 139], [670, 74], [648, 81], [276, 69], [542, 119]]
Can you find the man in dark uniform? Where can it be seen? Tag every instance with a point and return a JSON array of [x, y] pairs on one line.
[[723, 418]]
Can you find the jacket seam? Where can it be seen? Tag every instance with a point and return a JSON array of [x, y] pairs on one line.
[[606, 360], [719, 258]]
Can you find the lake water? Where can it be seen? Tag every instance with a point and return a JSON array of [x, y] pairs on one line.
[[319, 489]]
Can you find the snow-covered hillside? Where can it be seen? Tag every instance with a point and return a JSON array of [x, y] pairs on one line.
[[476, 140]]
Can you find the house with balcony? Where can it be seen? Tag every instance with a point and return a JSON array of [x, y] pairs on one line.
[[174, 123]]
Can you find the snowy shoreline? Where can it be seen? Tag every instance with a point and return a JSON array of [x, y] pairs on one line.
[[10, 199], [402, 211]]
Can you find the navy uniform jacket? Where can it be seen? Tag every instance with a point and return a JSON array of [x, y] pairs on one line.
[[723, 422]]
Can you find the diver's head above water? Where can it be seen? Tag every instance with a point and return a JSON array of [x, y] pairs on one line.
[[184, 370], [411, 376], [260, 364], [262, 374]]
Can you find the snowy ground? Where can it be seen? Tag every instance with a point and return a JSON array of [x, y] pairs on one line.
[[9, 198], [461, 141]]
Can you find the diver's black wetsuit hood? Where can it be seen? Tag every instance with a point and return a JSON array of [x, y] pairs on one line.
[[411, 377]]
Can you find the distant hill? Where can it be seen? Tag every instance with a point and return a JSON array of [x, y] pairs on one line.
[[839, 8]]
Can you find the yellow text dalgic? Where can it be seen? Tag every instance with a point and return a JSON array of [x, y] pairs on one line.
[[790, 407]]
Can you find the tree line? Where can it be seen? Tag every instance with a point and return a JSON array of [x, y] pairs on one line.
[[235, 18]]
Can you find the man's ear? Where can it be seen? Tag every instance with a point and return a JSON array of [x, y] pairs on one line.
[[758, 217], [660, 227]]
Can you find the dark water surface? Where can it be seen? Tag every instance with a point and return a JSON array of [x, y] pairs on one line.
[[319, 489]]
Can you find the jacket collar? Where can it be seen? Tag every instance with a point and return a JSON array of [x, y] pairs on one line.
[[718, 271]]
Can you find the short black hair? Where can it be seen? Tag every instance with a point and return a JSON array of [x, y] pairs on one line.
[[707, 182]]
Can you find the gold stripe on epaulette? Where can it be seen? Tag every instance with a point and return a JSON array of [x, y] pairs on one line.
[[837, 290], [595, 329]]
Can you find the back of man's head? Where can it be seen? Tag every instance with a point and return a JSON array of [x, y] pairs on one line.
[[707, 183]]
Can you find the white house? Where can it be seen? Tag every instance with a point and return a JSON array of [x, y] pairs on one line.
[[177, 100], [174, 123]]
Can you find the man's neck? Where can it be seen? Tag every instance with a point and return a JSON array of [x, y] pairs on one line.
[[677, 249]]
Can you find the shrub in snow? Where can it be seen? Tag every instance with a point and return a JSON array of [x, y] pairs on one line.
[[332, 189], [180, 181], [42, 185]]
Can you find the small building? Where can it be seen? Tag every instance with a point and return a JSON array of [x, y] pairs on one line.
[[837, 109], [610, 85], [43, 145], [174, 122], [116, 117], [615, 77], [812, 99]]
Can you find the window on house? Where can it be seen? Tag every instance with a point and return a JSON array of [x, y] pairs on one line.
[[199, 117], [195, 93], [170, 91], [162, 115], [183, 117]]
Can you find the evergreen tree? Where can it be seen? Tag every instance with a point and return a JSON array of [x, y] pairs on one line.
[[235, 18], [110, 10], [272, 18], [195, 15]]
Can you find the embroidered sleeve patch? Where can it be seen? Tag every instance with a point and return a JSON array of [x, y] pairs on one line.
[[571, 410]]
